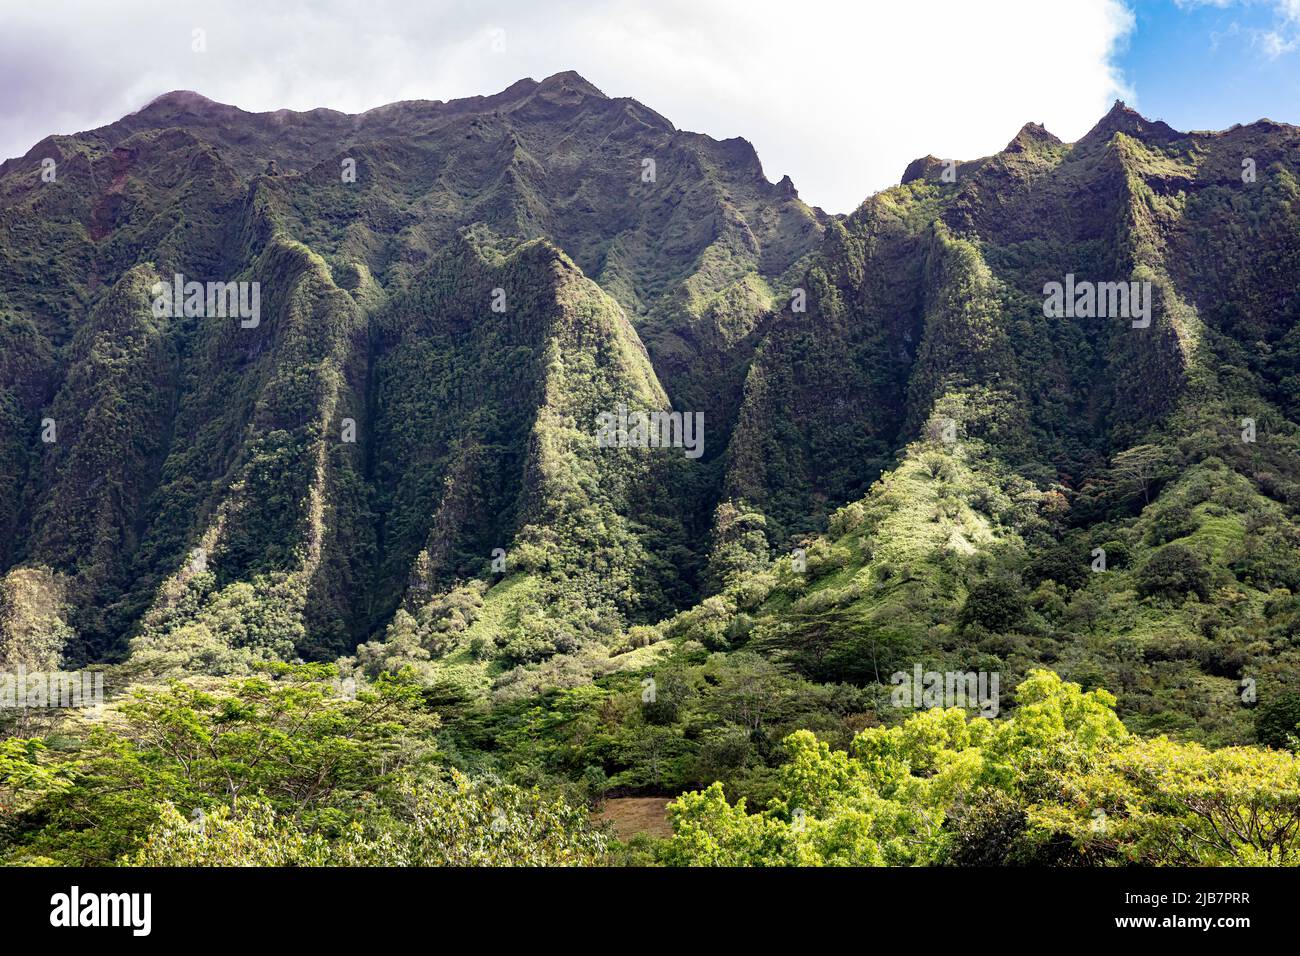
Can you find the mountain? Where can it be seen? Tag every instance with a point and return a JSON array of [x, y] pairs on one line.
[[200, 472], [447, 465], [391, 451]]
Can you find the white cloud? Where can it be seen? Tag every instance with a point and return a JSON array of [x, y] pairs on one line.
[[840, 96], [1281, 38], [1274, 44]]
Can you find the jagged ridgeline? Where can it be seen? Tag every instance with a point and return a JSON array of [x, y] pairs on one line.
[[1156, 426], [399, 460], [200, 492]]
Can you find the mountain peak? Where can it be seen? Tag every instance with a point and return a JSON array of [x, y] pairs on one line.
[[182, 99], [1030, 136], [571, 81], [926, 167], [1123, 119], [181, 108]]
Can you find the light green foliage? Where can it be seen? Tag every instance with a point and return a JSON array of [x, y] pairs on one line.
[[1159, 802], [249, 835], [464, 822], [33, 628], [899, 796], [28, 773], [292, 736], [419, 822]]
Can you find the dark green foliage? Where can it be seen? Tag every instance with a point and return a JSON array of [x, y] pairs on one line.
[[1118, 554], [992, 829], [1277, 722], [1174, 572], [1175, 521], [1269, 557], [740, 546], [1067, 565], [996, 605]]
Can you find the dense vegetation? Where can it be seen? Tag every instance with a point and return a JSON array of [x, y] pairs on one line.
[[366, 588]]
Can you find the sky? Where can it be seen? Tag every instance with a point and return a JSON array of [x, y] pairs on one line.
[[839, 94]]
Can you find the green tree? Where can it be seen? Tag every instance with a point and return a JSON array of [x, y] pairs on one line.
[[294, 737], [998, 604], [1061, 776], [459, 821], [1277, 723], [249, 834], [1174, 572]]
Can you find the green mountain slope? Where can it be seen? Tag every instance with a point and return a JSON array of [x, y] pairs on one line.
[[905, 459], [362, 277]]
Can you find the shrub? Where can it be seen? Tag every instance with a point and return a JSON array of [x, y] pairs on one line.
[[250, 835], [1064, 565], [997, 604], [1118, 555], [1277, 723], [1176, 521], [1174, 572]]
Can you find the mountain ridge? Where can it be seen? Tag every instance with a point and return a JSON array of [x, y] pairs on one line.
[[636, 263], [525, 451]]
